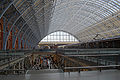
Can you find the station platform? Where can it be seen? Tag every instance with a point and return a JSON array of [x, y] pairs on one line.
[[58, 75]]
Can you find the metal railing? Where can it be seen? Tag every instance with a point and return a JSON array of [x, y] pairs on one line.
[[99, 59]]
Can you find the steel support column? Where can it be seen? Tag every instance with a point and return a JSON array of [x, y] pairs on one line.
[[1, 33]]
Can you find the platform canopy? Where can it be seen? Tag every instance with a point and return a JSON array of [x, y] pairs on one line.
[[88, 20]]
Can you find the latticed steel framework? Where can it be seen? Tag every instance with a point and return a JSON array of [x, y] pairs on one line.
[[23, 23], [59, 36]]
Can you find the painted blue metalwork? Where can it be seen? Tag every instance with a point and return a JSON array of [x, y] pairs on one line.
[[19, 42], [20, 3], [13, 36], [11, 18], [26, 43], [32, 38], [29, 36], [34, 41], [13, 25], [4, 26], [19, 46], [27, 40], [10, 31], [12, 28], [1, 3], [31, 18], [6, 9], [6, 37], [22, 43], [25, 33]]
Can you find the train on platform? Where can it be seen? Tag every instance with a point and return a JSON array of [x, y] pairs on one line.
[[109, 43]]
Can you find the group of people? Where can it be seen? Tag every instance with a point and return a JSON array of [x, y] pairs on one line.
[[43, 62]]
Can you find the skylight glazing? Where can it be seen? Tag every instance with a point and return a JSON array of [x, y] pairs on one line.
[[59, 36]]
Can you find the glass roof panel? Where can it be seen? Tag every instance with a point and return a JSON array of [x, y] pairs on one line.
[[59, 36], [72, 16]]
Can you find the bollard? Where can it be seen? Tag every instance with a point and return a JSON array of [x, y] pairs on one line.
[[79, 71]]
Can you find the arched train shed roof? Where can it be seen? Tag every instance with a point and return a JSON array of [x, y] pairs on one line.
[[31, 20]]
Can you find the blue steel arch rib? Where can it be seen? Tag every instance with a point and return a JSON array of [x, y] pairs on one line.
[[13, 26], [6, 9], [34, 14], [20, 3], [36, 43], [28, 29], [31, 39], [83, 20], [78, 27], [18, 26], [29, 35], [30, 32], [9, 33], [27, 43], [91, 12], [105, 8], [22, 39], [9, 20], [110, 11], [89, 17], [73, 1], [103, 25], [31, 18], [100, 22], [24, 42]]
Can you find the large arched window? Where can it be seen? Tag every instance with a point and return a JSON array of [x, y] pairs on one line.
[[59, 36]]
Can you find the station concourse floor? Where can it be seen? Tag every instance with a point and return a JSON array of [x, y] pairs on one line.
[[55, 75]]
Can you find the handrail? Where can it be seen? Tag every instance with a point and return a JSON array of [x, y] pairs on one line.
[[88, 67], [10, 63], [12, 70], [92, 55], [97, 49]]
